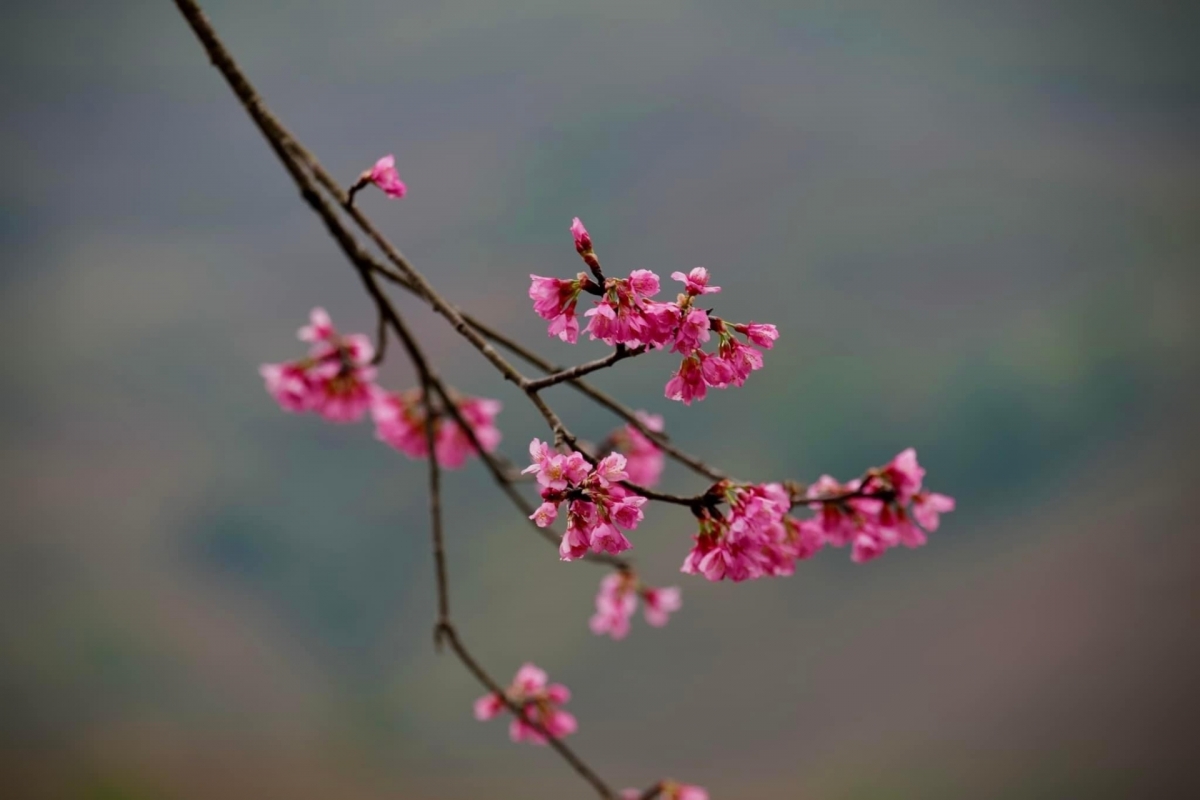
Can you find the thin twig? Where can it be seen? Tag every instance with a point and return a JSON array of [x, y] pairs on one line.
[[284, 147], [619, 354]]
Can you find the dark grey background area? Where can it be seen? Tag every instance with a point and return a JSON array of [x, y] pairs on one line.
[[974, 223]]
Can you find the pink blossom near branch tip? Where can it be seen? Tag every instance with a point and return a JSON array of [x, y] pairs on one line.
[[385, 176]]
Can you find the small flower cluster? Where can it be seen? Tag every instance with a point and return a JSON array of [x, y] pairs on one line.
[[758, 537], [596, 503], [670, 790], [643, 459], [400, 422], [618, 599], [337, 381], [881, 511], [538, 700], [626, 315]]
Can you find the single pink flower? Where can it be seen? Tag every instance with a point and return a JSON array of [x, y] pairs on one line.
[[761, 334], [583, 242], [545, 514], [696, 281], [554, 299], [384, 175], [687, 384]]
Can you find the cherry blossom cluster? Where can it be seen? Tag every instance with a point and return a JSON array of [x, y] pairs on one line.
[[759, 538], [597, 505], [886, 508], [400, 422], [337, 381], [626, 315], [617, 601], [539, 702], [670, 790]]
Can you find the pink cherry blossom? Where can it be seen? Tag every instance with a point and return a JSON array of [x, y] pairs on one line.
[[597, 504], [696, 282], [693, 332], [618, 599], [336, 380], [400, 422], [554, 300], [539, 702], [687, 384], [761, 334], [583, 242], [384, 175], [615, 605]]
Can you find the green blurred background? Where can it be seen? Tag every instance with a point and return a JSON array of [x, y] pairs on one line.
[[976, 225]]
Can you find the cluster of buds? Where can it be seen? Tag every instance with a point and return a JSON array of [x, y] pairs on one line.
[[618, 598], [759, 538], [625, 314], [337, 381], [597, 505], [539, 702]]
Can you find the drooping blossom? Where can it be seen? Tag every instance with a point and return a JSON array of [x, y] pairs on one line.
[[643, 459], [554, 300], [539, 702], [335, 380], [617, 601], [400, 422], [598, 507], [688, 384], [384, 175]]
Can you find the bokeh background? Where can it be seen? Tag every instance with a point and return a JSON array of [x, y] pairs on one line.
[[976, 225]]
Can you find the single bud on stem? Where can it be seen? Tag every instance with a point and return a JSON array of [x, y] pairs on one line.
[[583, 246]]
